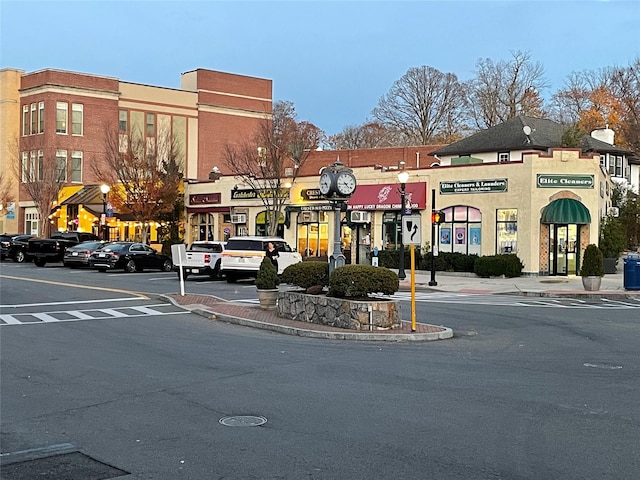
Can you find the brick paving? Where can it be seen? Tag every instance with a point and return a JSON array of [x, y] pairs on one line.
[[218, 306]]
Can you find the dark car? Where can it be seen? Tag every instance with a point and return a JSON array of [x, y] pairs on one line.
[[130, 256], [78, 255], [14, 246]]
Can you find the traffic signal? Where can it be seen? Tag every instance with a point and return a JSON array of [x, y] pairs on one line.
[[437, 216]]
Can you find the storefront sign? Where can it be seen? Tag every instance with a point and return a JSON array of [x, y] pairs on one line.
[[317, 207], [311, 194], [475, 186], [386, 196], [564, 181], [251, 194], [204, 198]]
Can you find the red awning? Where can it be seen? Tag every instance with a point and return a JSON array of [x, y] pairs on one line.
[[208, 210], [386, 196]]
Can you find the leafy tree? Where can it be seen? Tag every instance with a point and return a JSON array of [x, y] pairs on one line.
[[145, 174], [6, 191], [629, 204], [261, 162], [505, 89], [424, 105]]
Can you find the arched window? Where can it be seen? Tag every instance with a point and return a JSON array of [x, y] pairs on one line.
[[461, 231]]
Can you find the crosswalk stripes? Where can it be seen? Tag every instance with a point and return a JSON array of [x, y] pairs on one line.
[[61, 316]]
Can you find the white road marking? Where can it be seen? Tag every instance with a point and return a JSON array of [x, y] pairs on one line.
[[71, 302], [9, 319], [44, 317], [113, 312], [147, 310], [79, 315]]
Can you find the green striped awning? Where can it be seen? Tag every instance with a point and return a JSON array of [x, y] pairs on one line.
[[566, 210]]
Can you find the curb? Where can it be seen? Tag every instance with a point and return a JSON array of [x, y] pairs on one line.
[[203, 311]]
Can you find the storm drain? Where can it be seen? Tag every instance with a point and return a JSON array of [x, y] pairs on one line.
[[243, 421], [44, 464]]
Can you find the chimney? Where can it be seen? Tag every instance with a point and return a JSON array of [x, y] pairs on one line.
[[604, 135]]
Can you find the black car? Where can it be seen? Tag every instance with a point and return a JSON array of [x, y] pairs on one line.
[[78, 255], [14, 246], [130, 256]]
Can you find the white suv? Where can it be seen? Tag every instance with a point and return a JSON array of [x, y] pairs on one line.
[[242, 256]]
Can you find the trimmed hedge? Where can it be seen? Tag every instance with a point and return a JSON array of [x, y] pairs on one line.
[[444, 262], [359, 281], [306, 274], [497, 265]]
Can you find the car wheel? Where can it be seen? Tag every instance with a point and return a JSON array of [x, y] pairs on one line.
[[19, 257], [39, 262], [167, 266], [216, 274], [130, 267]]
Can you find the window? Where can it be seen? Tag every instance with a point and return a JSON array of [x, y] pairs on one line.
[[41, 117], [40, 165], [503, 157], [122, 121], [24, 168], [76, 167], [34, 119], [77, 112], [32, 175], [151, 124], [506, 231], [61, 165], [603, 160], [461, 231], [31, 224], [61, 117], [25, 120], [618, 171], [202, 226]]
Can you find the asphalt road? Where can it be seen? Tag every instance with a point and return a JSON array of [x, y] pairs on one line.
[[521, 392]]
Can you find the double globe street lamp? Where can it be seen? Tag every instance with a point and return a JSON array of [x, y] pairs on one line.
[[103, 221]]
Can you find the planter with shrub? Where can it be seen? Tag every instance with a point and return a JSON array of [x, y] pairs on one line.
[[267, 281], [592, 268]]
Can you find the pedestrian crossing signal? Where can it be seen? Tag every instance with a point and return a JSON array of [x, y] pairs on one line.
[[437, 217]]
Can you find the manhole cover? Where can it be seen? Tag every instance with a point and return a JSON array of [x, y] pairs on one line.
[[243, 421]]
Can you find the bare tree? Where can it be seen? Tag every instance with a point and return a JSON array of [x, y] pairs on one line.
[[6, 191], [261, 163], [42, 176], [505, 89], [145, 173], [367, 135], [422, 105], [626, 86]]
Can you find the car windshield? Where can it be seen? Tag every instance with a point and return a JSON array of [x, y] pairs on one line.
[[115, 247], [86, 246]]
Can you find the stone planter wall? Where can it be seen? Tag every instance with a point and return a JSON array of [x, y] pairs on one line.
[[339, 312]]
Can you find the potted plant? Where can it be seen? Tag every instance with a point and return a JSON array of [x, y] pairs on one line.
[[592, 268], [267, 282], [611, 242]]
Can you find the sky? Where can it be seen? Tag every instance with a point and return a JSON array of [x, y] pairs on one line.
[[333, 59]]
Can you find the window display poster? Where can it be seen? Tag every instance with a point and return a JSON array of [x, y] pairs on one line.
[[461, 238], [445, 236], [474, 235]]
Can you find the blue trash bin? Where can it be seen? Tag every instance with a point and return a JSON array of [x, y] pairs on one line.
[[632, 272]]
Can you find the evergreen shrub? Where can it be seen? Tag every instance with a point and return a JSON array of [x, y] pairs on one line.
[[497, 265], [306, 274], [592, 262], [267, 277], [359, 281]]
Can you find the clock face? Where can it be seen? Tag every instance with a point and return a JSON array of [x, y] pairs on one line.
[[346, 183], [325, 183]]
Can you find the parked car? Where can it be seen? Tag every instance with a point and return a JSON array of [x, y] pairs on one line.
[[14, 246], [44, 250], [78, 255], [242, 256], [203, 258], [129, 256]]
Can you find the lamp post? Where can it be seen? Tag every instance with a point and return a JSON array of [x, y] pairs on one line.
[[402, 178], [104, 188]]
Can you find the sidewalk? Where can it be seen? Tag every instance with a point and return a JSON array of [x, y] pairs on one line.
[[251, 315]]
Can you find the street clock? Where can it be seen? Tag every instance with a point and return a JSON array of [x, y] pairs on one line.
[[337, 181]]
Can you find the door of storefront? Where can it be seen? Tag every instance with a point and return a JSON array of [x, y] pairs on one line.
[[563, 249]]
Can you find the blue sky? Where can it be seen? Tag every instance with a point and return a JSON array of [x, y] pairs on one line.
[[332, 59]]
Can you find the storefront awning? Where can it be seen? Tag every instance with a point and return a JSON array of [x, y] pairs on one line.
[[566, 210], [386, 196]]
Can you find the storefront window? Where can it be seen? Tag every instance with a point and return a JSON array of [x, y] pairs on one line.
[[461, 231], [391, 230], [506, 231], [202, 226], [262, 226], [313, 234]]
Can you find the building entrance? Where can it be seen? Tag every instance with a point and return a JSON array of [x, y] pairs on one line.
[[563, 256]]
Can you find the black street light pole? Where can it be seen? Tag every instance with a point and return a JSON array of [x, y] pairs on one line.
[[434, 239], [403, 177], [104, 189]]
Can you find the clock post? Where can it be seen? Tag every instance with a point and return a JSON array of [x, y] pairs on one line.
[[337, 184]]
